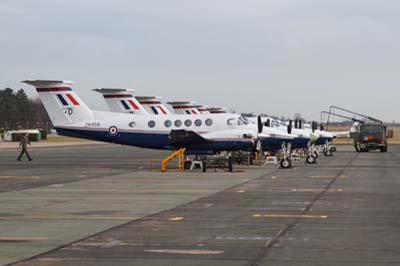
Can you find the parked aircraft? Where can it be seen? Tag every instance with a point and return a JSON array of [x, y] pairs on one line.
[[272, 138], [200, 133]]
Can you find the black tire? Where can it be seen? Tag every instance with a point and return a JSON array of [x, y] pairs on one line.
[[328, 153], [285, 164], [333, 149], [204, 166], [187, 165], [315, 155], [310, 159], [230, 164]]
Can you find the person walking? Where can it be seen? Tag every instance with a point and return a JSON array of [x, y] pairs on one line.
[[24, 147]]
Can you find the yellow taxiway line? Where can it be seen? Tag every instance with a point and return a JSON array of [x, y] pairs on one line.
[[175, 219], [18, 177]]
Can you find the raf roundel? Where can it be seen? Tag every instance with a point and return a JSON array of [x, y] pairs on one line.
[[113, 131]]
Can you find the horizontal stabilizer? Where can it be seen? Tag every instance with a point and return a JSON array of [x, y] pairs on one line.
[[48, 83], [113, 90]]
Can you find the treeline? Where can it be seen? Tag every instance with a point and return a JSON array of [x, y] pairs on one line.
[[18, 111]]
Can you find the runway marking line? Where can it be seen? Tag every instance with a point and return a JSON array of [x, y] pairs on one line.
[[327, 177], [62, 189], [241, 191], [315, 190], [20, 177], [274, 177], [22, 238], [186, 251], [290, 216], [60, 259], [175, 219], [78, 217]]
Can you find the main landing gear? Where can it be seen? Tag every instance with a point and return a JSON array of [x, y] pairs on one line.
[[286, 161], [328, 149], [312, 155], [206, 162]]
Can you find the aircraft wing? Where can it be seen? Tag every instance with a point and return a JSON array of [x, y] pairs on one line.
[[186, 138]]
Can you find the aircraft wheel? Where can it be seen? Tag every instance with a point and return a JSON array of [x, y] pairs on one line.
[[230, 164], [285, 164], [187, 165], [204, 166], [315, 155], [328, 153], [333, 149], [310, 159]]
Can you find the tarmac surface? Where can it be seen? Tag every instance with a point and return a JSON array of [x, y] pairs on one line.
[[342, 211]]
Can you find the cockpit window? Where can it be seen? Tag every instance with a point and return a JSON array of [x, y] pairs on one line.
[[242, 121], [231, 122], [275, 123]]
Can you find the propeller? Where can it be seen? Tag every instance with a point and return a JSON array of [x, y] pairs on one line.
[[314, 126], [268, 123], [290, 127], [259, 124]]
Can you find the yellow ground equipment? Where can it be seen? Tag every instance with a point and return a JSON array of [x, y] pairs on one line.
[[181, 159]]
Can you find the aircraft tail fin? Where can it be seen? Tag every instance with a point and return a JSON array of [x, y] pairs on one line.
[[122, 101], [153, 105], [62, 104]]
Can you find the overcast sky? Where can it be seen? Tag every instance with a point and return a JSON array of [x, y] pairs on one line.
[[277, 57]]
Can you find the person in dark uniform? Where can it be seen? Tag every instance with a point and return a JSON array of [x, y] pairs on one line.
[[24, 145]]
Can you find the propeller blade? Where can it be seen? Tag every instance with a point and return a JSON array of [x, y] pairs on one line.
[[289, 127], [259, 124]]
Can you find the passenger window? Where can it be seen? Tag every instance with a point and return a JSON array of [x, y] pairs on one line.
[[198, 122], [188, 123], [209, 122], [151, 124], [178, 123], [168, 123]]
